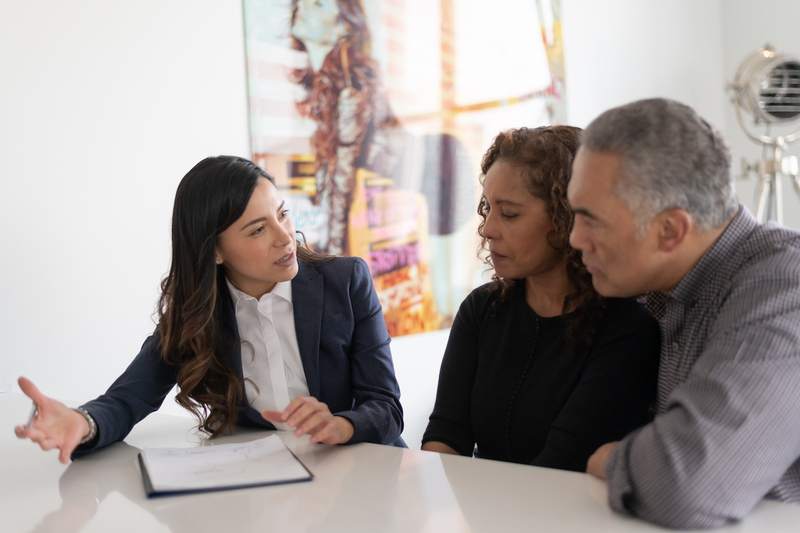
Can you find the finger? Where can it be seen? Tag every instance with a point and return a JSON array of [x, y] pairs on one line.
[[31, 391], [303, 413], [66, 450], [48, 444], [300, 415], [36, 435], [312, 424], [272, 416], [21, 432], [294, 405], [325, 435]]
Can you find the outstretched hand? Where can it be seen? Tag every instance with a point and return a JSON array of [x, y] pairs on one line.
[[307, 415], [54, 426]]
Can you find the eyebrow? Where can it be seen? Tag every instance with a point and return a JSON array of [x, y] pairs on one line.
[[262, 219], [503, 201]]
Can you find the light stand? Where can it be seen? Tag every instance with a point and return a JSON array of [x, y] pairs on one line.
[[767, 87]]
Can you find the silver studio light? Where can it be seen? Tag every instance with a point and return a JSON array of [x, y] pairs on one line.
[[767, 89]]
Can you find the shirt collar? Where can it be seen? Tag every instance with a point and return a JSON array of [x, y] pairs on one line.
[[282, 289]]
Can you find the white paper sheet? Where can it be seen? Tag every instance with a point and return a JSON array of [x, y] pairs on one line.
[[260, 462]]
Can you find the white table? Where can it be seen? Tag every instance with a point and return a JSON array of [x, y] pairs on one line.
[[364, 487]]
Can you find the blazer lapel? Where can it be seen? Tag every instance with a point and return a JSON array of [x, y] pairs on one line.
[[307, 299]]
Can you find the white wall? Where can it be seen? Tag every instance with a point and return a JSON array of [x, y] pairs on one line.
[[747, 26], [623, 50], [105, 105]]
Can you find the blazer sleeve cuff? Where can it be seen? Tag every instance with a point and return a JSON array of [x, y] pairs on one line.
[[364, 429], [358, 422]]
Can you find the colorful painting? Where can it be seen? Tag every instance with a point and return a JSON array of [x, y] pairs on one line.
[[373, 116]]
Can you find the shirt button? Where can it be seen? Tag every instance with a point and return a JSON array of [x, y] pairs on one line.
[[676, 346]]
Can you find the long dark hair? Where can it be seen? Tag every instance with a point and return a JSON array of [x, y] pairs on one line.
[[210, 197], [545, 156]]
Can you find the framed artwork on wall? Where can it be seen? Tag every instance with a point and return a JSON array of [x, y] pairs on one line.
[[373, 116]]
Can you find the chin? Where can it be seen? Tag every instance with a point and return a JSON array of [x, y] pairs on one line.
[[602, 286], [610, 290], [504, 273], [292, 271], [282, 274]]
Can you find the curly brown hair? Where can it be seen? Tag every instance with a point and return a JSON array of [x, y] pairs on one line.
[[545, 156]]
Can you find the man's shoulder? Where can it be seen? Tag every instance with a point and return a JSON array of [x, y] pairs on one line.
[[769, 252], [764, 291]]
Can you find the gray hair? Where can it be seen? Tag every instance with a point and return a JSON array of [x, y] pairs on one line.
[[671, 158]]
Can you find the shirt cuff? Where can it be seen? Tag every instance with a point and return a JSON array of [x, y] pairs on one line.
[[620, 489]]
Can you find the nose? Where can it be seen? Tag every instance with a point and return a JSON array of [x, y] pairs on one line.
[[283, 235], [490, 230], [577, 237]]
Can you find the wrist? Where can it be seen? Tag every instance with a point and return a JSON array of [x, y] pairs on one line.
[[90, 422], [347, 428]]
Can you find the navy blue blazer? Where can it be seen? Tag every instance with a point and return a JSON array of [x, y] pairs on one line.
[[343, 344]]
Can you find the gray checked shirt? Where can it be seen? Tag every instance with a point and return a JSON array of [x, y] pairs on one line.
[[727, 427]]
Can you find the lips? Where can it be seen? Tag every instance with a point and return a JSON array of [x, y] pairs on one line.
[[285, 260], [591, 268], [498, 257]]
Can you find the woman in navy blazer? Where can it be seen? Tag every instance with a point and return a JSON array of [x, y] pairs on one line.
[[230, 225]]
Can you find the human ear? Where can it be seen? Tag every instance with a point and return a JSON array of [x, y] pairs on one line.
[[673, 227]]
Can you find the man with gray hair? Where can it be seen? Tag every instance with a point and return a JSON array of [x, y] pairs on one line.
[[656, 215]]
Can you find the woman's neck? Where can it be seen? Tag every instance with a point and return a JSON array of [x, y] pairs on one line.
[[546, 292], [253, 288]]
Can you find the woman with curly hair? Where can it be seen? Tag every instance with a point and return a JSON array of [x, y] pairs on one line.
[[253, 327], [539, 369]]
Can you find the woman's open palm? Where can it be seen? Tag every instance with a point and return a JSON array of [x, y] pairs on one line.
[[54, 426]]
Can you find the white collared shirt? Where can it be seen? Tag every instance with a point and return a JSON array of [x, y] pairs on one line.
[[271, 365]]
